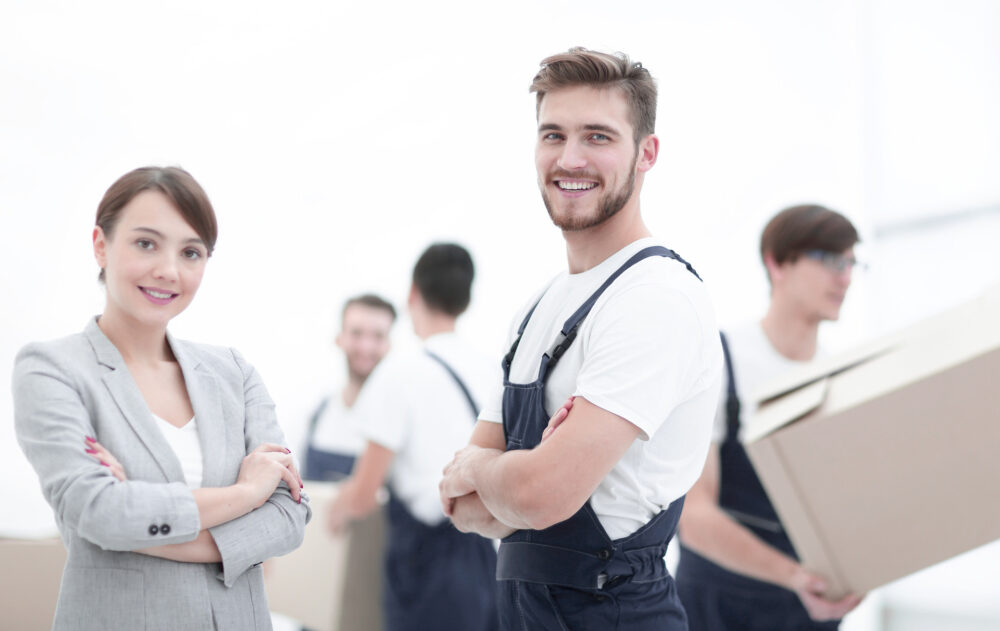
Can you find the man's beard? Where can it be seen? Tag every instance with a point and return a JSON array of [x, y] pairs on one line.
[[607, 206]]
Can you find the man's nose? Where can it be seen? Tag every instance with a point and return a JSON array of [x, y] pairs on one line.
[[573, 156]]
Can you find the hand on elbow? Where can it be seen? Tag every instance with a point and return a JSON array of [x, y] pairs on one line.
[[263, 469]]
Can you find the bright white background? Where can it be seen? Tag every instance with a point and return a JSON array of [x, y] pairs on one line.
[[337, 140]]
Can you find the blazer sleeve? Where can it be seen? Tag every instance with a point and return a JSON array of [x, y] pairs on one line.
[[51, 422], [277, 526]]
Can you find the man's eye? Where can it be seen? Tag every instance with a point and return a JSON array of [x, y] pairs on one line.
[[599, 137], [551, 137]]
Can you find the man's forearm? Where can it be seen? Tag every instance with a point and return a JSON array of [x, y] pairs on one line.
[[715, 535], [470, 515], [505, 487]]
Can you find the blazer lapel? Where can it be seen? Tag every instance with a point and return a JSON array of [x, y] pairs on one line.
[[203, 390], [133, 407]]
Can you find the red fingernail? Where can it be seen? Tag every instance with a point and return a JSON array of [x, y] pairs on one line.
[[287, 450], [105, 464], [90, 440], [91, 451]]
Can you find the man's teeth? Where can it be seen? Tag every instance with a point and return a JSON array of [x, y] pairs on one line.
[[157, 294], [576, 186]]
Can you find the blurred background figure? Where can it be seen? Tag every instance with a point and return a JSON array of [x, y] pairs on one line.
[[738, 569], [416, 410], [333, 439]]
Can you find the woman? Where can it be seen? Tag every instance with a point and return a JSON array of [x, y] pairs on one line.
[[162, 459]]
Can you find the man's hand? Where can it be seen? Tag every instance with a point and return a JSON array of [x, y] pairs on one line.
[[458, 474], [337, 517], [469, 515], [810, 589], [558, 418]]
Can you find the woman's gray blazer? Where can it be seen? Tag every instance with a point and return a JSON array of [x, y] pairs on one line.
[[78, 386]]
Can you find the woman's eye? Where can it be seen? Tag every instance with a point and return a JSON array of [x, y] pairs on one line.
[[145, 244], [192, 254]]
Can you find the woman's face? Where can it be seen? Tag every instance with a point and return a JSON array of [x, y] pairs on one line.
[[153, 261]]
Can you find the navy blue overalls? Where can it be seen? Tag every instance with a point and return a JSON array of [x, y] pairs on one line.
[[572, 576], [437, 578], [715, 598], [326, 466]]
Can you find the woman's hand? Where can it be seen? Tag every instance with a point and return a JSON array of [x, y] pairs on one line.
[[105, 457], [266, 467]]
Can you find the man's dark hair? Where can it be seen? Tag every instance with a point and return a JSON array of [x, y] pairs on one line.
[[443, 276], [370, 300], [805, 227]]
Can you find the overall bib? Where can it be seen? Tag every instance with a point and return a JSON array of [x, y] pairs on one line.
[[437, 578], [325, 466], [715, 598], [572, 576]]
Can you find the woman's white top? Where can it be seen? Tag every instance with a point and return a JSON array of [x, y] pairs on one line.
[[185, 443]]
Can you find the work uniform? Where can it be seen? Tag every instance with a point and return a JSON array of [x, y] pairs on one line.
[[715, 598], [333, 441], [641, 343], [422, 406]]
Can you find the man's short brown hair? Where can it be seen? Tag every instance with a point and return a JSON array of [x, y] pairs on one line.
[[372, 301], [805, 227], [580, 66]]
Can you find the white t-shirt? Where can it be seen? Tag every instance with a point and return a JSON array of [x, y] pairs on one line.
[[649, 352], [411, 405], [755, 363], [337, 429], [186, 445]]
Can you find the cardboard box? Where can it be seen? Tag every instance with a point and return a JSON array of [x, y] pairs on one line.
[[30, 573], [886, 460], [331, 583]]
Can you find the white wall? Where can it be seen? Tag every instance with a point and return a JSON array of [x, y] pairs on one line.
[[337, 140]]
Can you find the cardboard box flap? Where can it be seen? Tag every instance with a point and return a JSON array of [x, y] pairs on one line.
[[820, 369], [787, 409]]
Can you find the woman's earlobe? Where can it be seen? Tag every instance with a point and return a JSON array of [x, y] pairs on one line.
[[100, 246]]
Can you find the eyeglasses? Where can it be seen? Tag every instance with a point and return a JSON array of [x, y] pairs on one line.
[[836, 263]]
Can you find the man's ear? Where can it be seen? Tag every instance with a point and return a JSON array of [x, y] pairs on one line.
[[775, 270], [649, 150]]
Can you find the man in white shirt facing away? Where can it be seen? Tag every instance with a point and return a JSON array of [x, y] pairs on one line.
[[416, 410]]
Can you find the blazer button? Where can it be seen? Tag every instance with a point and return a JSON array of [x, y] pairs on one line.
[[165, 529], [153, 529], [604, 554]]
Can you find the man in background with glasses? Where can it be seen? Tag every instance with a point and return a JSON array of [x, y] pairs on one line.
[[738, 569]]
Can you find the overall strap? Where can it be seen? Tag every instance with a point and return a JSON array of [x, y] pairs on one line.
[[314, 419], [732, 401], [458, 380], [569, 330], [509, 357]]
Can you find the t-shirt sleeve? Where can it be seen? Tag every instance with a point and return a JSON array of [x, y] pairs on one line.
[[381, 408], [646, 352], [719, 426]]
